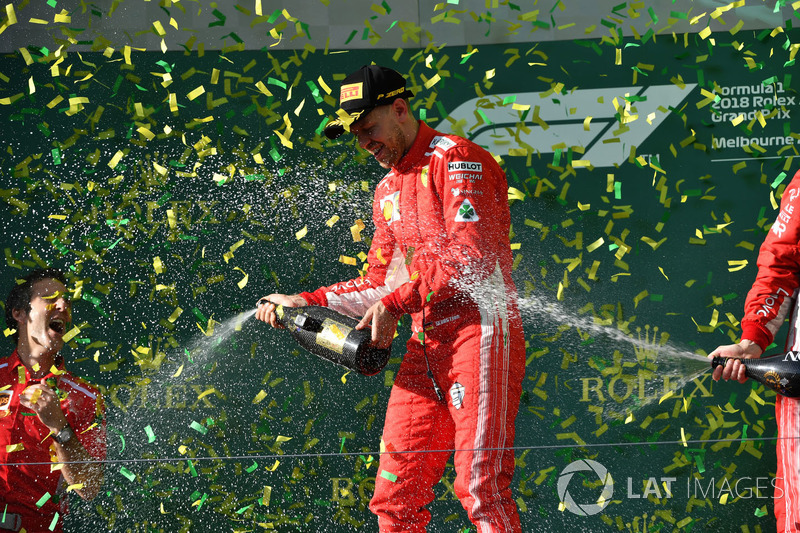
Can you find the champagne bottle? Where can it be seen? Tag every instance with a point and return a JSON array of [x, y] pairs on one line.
[[332, 336], [778, 372]]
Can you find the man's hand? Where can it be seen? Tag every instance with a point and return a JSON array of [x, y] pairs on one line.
[[383, 323], [266, 311], [43, 401], [79, 467], [734, 369]]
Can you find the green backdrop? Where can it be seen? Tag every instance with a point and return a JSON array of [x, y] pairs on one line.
[[175, 205]]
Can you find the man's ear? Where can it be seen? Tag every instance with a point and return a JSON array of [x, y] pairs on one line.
[[19, 315], [400, 109]]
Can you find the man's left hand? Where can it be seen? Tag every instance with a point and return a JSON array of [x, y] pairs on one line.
[[47, 406], [383, 323]]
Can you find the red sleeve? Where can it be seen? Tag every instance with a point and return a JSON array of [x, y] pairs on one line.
[[778, 276], [385, 270], [86, 415], [468, 200]]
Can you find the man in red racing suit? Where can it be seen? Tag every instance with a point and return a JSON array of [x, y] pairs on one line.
[[772, 296], [440, 253]]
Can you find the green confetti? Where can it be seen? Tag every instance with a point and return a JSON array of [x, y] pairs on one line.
[[200, 316], [272, 18], [121, 437], [220, 19], [388, 475], [127, 473], [43, 500], [273, 81], [202, 500], [198, 427], [699, 462], [778, 180]]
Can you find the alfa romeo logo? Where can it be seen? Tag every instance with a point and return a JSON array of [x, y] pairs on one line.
[[585, 509]]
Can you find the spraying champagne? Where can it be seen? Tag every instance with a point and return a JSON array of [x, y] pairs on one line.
[[333, 336], [781, 373]]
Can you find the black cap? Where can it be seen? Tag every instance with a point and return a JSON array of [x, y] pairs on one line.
[[362, 91]]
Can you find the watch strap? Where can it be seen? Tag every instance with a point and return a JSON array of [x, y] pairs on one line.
[[65, 435]]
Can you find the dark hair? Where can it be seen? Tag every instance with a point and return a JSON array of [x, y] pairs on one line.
[[20, 295]]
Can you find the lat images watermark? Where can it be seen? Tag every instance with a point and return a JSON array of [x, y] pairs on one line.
[[585, 509], [595, 478]]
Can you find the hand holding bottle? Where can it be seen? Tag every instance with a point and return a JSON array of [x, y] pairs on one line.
[[780, 372], [734, 369], [328, 334], [267, 305], [382, 325]]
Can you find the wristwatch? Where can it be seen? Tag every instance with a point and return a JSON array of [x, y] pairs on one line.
[[64, 436]]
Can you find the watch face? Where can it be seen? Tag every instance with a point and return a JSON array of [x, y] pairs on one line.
[[63, 436]]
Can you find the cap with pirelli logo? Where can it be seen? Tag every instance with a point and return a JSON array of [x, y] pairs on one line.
[[362, 91]]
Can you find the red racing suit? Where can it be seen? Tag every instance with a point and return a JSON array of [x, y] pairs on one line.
[[441, 253], [772, 296], [32, 491]]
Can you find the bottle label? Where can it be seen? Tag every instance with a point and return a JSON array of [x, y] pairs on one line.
[[333, 335], [773, 380], [792, 356]]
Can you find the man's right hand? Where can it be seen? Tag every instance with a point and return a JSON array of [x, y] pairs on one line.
[[734, 369], [266, 311]]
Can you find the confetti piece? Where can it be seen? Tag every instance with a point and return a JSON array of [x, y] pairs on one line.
[[116, 159], [736, 265], [34, 399], [69, 336], [196, 92], [127, 473], [198, 427], [595, 245], [242, 282], [388, 476]]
